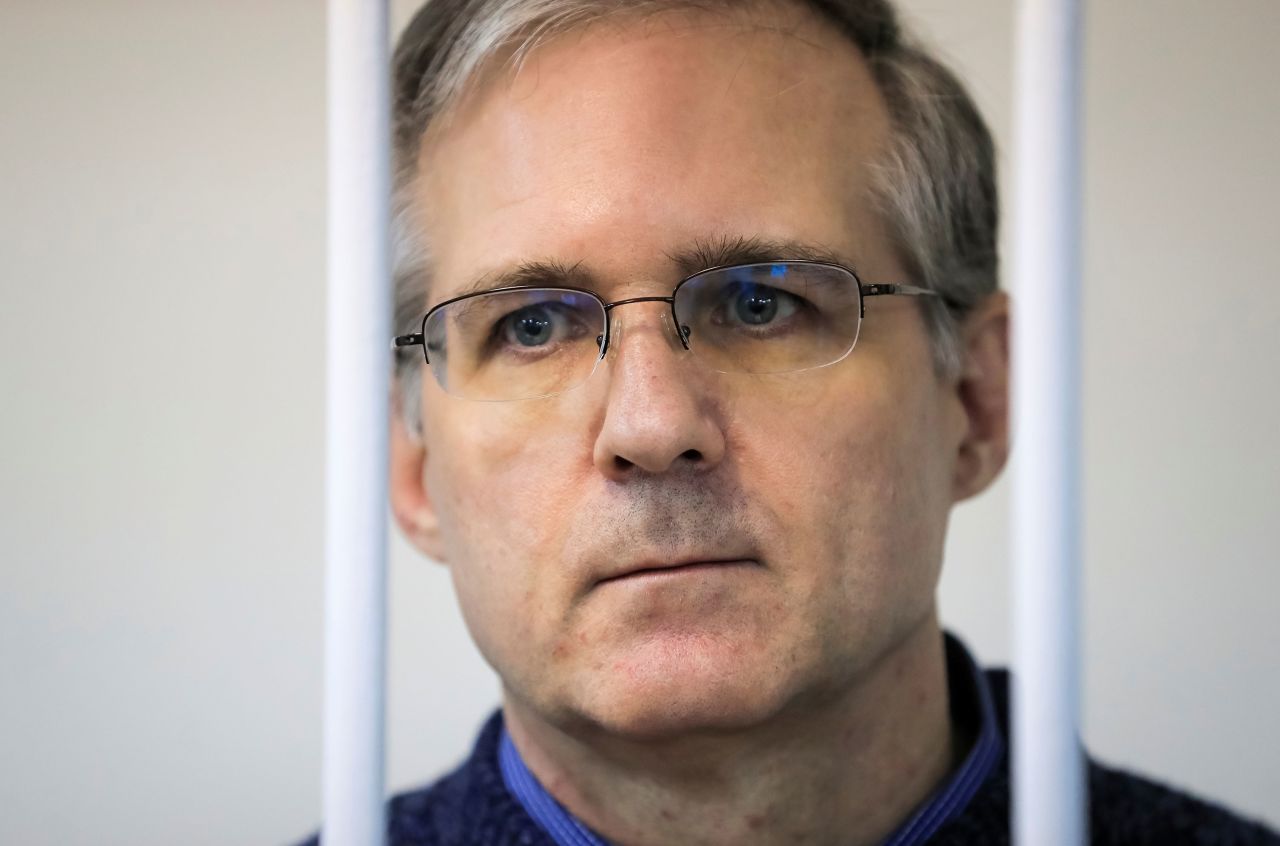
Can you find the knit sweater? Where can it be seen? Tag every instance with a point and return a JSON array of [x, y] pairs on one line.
[[472, 807]]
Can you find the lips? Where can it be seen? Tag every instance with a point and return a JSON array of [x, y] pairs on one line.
[[676, 568]]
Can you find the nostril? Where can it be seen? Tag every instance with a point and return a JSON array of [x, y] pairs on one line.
[[691, 454], [621, 463]]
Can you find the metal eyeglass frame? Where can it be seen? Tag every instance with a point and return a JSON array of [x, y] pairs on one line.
[[864, 290]]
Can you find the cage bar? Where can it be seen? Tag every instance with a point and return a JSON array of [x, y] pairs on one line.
[[1048, 786], [359, 307]]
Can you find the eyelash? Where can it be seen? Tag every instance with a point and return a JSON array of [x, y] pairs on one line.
[[497, 335]]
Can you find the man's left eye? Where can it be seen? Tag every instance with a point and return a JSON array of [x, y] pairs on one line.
[[760, 305], [532, 327]]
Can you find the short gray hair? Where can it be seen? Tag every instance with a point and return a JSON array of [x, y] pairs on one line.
[[934, 184]]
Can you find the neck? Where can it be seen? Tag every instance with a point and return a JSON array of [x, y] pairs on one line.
[[847, 770]]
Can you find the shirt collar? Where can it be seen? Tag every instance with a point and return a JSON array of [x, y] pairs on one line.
[[564, 828], [972, 707]]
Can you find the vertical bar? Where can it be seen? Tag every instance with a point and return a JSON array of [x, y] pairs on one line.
[[359, 307], [1048, 799]]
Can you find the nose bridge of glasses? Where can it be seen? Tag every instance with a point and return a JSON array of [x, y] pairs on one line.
[[666, 324]]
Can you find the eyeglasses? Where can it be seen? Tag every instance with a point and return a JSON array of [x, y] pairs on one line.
[[525, 342]]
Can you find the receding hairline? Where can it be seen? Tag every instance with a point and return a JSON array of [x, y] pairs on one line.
[[512, 57]]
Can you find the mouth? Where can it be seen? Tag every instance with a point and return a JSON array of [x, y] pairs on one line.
[[679, 569]]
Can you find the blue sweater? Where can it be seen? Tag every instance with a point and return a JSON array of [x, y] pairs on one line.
[[472, 807]]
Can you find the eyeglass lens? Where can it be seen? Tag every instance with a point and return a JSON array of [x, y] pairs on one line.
[[770, 318], [515, 344], [761, 318]]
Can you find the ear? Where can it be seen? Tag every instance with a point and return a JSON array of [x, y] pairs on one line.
[[410, 501], [983, 393]]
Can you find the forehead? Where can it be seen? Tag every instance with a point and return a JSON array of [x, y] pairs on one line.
[[628, 139]]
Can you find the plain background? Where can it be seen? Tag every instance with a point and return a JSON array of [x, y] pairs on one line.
[[161, 369]]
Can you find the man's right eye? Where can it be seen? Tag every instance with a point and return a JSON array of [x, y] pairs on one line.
[[535, 328]]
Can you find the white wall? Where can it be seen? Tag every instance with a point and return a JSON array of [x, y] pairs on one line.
[[161, 256]]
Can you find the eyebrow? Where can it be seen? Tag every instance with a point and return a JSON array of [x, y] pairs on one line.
[[705, 254], [537, 274], [700, 255]]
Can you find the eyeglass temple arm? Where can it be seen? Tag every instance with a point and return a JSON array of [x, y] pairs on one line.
[[882, 290], [414, 340], [906, 290]]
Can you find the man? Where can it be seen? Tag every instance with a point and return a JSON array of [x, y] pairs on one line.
[[706, 297]]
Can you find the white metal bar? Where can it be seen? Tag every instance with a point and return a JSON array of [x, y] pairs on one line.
[[1048, 796], [359, 307]]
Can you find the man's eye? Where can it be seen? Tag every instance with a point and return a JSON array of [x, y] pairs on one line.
[[530, 327], [534, 327], [759, 305]]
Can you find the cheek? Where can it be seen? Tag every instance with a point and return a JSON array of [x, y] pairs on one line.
[[853, 473], [503, 479], [816, 445], [499, 472]]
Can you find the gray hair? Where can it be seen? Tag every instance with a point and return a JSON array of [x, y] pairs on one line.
[[934, 184]]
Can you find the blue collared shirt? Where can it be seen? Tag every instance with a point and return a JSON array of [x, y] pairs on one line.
[[970, 695]]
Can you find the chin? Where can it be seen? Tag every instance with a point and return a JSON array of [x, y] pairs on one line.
[[666, 690]]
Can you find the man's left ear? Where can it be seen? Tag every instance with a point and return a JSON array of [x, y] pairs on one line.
[[983, 393]]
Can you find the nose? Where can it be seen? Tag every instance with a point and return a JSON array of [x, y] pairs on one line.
[[660, 415]]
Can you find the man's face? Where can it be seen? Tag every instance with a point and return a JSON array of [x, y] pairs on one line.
[[612, 150]]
